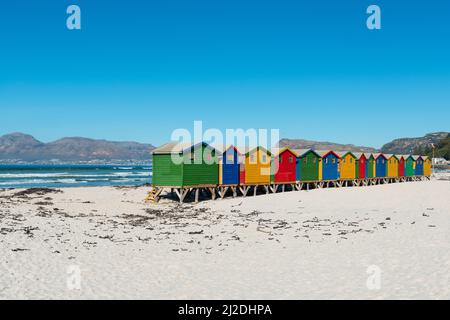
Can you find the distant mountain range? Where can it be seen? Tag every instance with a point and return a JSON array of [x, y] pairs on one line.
[[414, 145], [321, 145], [19, 147], [23, 147]]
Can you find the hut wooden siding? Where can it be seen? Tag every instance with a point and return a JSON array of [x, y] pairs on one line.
[[380, 165], [229, 166], [220, 171], [361, 164], [427, 166], [298, 169], [257, 166], [284, 166], [401, 166], [166, 172], [370, 167], [320, 169], [308, 162], [409, 166], [330, 165], [392, 167], [185, 171], [347, 166], [418, 170], [242, 173]]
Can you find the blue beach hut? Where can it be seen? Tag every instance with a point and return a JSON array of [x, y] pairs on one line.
[[229, 163], [418, 170], [330, 164], [380, 165]]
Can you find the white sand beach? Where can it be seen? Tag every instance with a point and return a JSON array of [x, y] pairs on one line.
[[378, 242]]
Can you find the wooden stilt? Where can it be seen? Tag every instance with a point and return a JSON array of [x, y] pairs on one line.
[[197, 191], [213, 192], [183, 193]]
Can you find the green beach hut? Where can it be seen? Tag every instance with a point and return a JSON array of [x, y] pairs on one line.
[[409, 165], [180, 165], [370, 166], [308, 164]]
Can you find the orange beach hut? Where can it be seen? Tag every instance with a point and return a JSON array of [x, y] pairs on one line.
[[257, 166], [392, 165], [347, 165]]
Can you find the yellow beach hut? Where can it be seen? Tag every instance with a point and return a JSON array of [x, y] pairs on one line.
[[426, 166], [347, 165], [257, 166], [392, 165]]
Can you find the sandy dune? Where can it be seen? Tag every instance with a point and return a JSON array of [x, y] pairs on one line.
[[388, 241]]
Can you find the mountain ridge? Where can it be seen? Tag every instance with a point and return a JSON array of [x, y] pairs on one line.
[[415, 144], [323, 145], [24, 147], [20, 147]]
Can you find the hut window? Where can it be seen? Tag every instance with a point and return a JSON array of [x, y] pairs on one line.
[[230, 159], [343, 160], [334, 160], [326, 160], [362, 160], [252, 158], [351, 160], [305, 160], [281, 159], [314, 160], [382, 161], [208, 157], [264, 158], [291, 159]]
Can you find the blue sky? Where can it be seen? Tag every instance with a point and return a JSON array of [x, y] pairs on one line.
[[140, 69]]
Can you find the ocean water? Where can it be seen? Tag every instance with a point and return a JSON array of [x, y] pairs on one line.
[[31, 176]]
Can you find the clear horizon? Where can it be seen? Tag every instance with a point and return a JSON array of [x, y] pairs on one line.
[[137, 71]]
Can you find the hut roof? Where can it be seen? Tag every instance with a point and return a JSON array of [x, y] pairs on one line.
[[257, 148], [175, 147], [222, 148], [323, 153], [302, 152], [377, 155], [344, 153], [415, 157], [277, 151], [390, 155], [358, 155]]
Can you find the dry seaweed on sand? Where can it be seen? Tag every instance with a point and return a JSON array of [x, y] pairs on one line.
[[36, 191]]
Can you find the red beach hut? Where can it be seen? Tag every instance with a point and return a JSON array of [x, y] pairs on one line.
[[361, 162], [401, 165], [284, 166]]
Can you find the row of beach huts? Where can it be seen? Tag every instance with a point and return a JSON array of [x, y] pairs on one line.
[[216, 170]]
